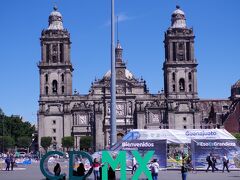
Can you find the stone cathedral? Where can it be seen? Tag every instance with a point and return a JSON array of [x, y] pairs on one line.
[[63, 112]]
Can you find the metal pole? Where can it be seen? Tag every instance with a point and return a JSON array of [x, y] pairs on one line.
[[2, 134], [113, 136]]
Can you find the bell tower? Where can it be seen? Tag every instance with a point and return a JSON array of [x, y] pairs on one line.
[[180, 74], [55, 69], [55, 66], [180, 66], [120, 65]]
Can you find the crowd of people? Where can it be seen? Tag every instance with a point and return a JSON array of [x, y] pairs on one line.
[[9, 160], [82, 172], [212, 162], [96, 167], [97, 170]]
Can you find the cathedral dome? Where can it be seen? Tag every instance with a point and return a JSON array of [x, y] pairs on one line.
[[55, 20], [128, 74], [178, 19]]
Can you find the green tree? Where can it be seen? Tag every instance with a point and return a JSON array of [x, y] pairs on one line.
[[46, 142], [86, 142], [67, 142], [6, 142], [14, 127], [1, 111], [236, 135], [23, 142]]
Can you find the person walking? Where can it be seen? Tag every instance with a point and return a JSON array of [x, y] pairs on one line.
[[214, 162], [134, 165], [12, 161], [209, 161], [7, 161], [184, 171], [154, 169], [225, 162], [96, 166]]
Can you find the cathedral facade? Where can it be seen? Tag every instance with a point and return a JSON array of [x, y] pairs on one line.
[[63, 112]]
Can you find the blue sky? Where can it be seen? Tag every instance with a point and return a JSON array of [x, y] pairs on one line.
[[142, 24]]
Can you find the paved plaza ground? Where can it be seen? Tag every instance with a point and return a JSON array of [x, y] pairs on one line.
[[32, 172]]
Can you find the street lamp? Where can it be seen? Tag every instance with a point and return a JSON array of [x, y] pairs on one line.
[[113, 135]]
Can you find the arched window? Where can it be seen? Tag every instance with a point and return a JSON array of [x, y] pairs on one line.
[[62, 76], [190, 88], [173, 76], [46, 90], [174, 88], [46, 78], [190, 76], [62, 89], [54, 86], [182, 84]]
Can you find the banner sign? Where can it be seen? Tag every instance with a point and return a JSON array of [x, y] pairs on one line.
[[178, 136], [203, 148], [143, 146]]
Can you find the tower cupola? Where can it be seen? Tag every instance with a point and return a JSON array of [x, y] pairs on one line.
[[118, 52], [178, 19], [55, 20]]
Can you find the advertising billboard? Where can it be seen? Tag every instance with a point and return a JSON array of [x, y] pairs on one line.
[[142, 146], [203, 148]]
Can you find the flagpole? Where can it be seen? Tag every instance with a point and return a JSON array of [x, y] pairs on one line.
[[113, 135]]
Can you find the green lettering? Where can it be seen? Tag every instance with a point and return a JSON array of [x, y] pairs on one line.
[[44, 166], [119, 160], [142, 164], [71, 157]]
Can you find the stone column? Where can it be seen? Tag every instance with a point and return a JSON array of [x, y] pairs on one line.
[[195, 82], [99, 134], [68, 82], [43, 54], [176, 83], [66, 53], [170, 50], [42, 83], [58, 53], [67, 118], [169, 84], [192, 50], [140, 115], [171, 120]]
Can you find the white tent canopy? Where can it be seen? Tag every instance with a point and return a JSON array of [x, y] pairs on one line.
[[177, 136]]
